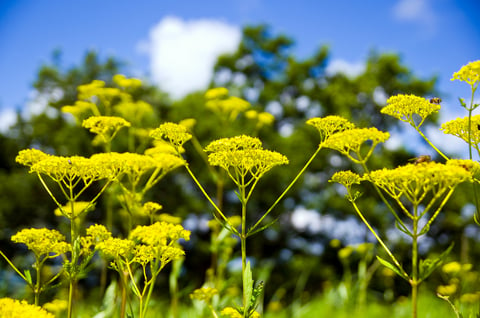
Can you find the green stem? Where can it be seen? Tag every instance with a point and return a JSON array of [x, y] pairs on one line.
[[252, 229], [414, 281], [357, 210], [429, 142]]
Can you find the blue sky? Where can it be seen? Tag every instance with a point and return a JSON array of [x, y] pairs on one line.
[[431, 36]]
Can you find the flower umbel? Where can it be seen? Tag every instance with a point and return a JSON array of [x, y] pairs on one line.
[[405, 107], [329, 125], [469, 74], [42, 241], [242, 155], [174, 134], [349, 142]]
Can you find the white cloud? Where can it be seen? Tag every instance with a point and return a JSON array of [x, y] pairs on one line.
[[8, 117], [183, 53], [419, 11], [347, 68]]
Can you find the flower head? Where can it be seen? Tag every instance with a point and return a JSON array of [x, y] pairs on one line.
[[124, 82], [218, 101], [243, 154], [459, 128], [351, 141], [414, 181], [117, 248], [12, 308], [346, 178], [42, 241], [469, 74], [329, 125], [29, 157], [404, 107], [105, 126], [159, 234], [174, 134], [205, 293]]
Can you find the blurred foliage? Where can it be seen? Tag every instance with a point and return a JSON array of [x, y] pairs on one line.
[[264, 72]]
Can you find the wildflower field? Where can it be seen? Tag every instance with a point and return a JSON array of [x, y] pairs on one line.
[[188, 217]]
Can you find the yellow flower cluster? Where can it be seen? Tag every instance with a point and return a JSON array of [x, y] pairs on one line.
[[96, 234], [346, 178], [105, 126], [244, 154], [469, 74], [459, 128], [69, 169], [42, 241], [80, 108], [233, 313], [117, 248], [74, 209], [175, 134], [97, 89], [404, 107], [146, 243], [205, 293], [159, 234], [262, 118], [329, 125], [218, 101], [136, 165], [12, 308], [124, 82], [414, 181], [351, 140]]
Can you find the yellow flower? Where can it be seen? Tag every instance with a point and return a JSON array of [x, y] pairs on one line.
[[469, 74], [459, 128], [452, 268], [405, 107], [345, 252], [105, 126], [204, 293], [159, 234], [244, 155], [42, 241], [233, 313], [350, 142], [80, 109], [414, 181], [71, 212], [29, 157], [56, 306], [216, 93], [470, 298], [12, 308], [124, 82], [329, 125], [346, 178], [117, 248], [447, 290], [174, 134], [218, 101], [134, 111]]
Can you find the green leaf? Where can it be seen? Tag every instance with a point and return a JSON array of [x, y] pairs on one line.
[[247, 285], [250, 232], [427, 266], [28, 277], [424, 230], [402, 228], [257, 291], [394, 268]]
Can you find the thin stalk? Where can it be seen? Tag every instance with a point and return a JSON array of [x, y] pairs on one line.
[[414, 281], [405, 275], [252, 229], [429, 142]]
